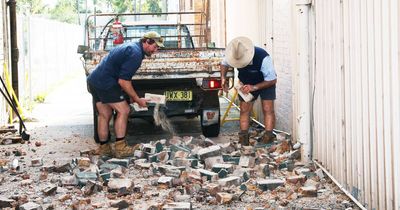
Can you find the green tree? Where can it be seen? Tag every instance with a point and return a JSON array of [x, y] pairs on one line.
[[152, 6], [121, 6], [65, 11], [33, 6]]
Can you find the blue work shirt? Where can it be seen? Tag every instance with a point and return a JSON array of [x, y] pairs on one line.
[[122, 62]]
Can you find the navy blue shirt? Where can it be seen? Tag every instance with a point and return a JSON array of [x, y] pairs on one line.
[[122, 62], [260, 69], [252, 74]]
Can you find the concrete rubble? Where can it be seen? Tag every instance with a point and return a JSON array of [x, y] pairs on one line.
[[180, 173]]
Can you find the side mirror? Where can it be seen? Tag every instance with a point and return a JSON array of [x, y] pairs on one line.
[[82, 49]]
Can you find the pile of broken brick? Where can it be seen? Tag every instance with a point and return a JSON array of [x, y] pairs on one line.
[[180, 173], [8, 135]]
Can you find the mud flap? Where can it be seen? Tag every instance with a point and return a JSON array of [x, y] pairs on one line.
[[210, 117]]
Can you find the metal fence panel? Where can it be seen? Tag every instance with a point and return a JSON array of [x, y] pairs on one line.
[[48, 53]]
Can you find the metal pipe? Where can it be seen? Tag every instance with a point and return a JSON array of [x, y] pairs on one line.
[[303, 63], [14, 46], [340, 186], [254, 120]]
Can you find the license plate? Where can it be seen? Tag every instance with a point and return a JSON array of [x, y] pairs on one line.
[[178, 95]]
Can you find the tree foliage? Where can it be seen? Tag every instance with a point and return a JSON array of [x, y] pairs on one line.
[[69, 10], [65, 11], [31, 6], [121, 6], [152, 6]]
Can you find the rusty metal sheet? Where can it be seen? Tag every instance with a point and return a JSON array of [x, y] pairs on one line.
[[173, 63]]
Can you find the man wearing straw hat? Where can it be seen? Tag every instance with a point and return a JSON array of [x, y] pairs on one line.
[[257, 77]]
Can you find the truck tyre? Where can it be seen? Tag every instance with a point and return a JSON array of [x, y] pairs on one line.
[[95, 114], [210, 130], [210, 101]]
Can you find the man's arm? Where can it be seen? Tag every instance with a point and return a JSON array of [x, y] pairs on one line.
[[269, 74], [224, 82], [128, 88]]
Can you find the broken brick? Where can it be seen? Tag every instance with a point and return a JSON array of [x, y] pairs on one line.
[[296, 179], [209, 174], [217, 167], [207, 152], [178, 206], [49, 190], [30, 206], [165, 180], [120, 204], [63, 168], [83, 162], [5, 202], [211, 161], [114, 184], [229, 181], [212, 188], [69, 180], [91, 187], [247, 161], [223, 198], [309, 191], [181, 154], [269, 184], [121, 162], [37, 162], [83, 177]]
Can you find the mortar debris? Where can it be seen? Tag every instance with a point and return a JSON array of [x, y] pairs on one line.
[[183, 172], [160, 119]]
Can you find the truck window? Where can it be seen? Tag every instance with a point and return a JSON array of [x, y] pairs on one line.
[[175, 36]]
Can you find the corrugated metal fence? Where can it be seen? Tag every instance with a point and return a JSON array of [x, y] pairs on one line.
[[355, 98]]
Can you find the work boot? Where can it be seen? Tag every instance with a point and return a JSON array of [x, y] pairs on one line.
[[268, 137], [104, 149], [244, 138], [122, 149]]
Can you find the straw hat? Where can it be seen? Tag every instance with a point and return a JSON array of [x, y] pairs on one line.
[[240, 52]]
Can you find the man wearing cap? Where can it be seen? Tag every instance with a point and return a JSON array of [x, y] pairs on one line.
[[110, 84], [258, 77]]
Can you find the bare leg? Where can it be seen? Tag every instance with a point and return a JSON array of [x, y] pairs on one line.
[[122, 109], [245, 109], [104, 117], [269, 114]]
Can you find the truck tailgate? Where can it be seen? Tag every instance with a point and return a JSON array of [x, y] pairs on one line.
[[183, 63]]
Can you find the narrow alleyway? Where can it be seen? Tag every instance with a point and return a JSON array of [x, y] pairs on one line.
[[56, 169], [66, 108]]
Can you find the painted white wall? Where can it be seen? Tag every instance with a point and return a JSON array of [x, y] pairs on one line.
[[268, 24], [242, 19]]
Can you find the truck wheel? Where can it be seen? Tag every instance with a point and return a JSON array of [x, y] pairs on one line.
[[210, 130], [95, 114]]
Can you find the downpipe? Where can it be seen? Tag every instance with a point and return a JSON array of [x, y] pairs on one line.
[[14, 46], [303, 119]]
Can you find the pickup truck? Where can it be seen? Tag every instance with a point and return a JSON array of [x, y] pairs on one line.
[[186, 71]]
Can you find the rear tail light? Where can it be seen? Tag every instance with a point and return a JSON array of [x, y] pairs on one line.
[[211, 84]]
